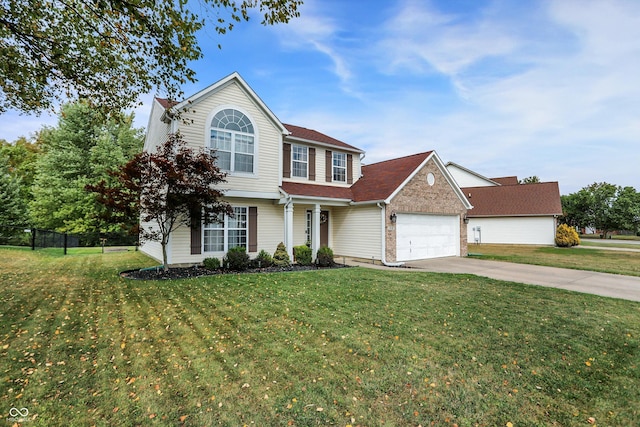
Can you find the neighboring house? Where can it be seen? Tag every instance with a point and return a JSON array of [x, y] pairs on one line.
[[505, 211], [298, 186]]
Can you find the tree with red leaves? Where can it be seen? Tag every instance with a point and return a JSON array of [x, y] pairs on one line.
[[173, 187]]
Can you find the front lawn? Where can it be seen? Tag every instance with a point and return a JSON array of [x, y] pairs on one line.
[[81, 346], [579, 258]]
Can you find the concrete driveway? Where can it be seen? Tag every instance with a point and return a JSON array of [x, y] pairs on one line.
[[608, 285]]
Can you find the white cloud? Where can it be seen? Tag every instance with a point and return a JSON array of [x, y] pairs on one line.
[[316, 31]]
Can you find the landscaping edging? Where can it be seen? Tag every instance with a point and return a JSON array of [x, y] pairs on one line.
[[193, 272]]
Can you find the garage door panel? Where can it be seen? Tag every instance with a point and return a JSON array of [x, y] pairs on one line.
[[426, 236]]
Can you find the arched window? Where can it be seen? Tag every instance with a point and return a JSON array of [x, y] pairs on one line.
[[233, 139]]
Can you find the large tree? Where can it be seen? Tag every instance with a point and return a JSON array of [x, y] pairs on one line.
[[77, 152], [171, 187], [110, 51], [12, 207], [21, 156], [603, 206]]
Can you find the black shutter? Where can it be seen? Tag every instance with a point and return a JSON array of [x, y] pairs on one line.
[[349, 169]]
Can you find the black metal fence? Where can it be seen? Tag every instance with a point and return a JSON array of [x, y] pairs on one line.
[[36, 238]]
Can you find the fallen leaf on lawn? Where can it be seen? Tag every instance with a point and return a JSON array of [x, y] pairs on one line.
[[182, 418], [509, 424]]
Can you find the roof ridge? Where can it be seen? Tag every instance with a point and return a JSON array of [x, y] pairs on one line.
[[399, 158]]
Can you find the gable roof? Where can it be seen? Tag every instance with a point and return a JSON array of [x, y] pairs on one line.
[[220, 84], [298, 133], [380, 180], [165, 103], [515, 200], [506, 180]]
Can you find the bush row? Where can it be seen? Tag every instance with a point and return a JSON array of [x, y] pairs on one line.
[[237, 259]]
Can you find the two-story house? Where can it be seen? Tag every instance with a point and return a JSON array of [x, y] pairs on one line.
[[298, 186]]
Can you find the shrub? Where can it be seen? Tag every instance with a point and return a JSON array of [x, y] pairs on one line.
[[566, 236], [302, 255], [281, 257], [264, 259], [237, 259], [325, 257], [211, 263]]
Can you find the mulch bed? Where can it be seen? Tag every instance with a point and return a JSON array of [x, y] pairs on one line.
[[191, 272]]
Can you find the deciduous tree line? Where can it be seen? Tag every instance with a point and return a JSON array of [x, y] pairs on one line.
[[604, 208], [43, 180]]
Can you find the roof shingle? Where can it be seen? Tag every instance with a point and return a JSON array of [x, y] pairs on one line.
[[380, 180], [315, 190], [315, 136], [515, 200]]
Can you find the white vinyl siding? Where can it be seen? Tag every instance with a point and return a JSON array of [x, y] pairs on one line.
[[270, 232], [467, 179], [357, 231], [149, 247], [196, 131], [512, 230]]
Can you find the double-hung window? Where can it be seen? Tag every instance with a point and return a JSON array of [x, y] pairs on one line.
[[299, 160], [225, 232], [339, 167], [233, 139]]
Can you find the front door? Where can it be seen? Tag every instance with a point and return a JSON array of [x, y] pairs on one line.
[[324, 228]]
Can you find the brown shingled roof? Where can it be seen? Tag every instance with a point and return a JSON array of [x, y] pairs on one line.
[[506, 180], [315, 136], [166, 103], [380, 180], [314, 190], [515, 200]]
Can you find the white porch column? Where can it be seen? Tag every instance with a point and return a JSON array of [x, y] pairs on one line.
[[315, 240], [288, 228]]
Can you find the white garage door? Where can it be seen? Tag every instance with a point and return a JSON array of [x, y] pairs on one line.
[[427, 236]]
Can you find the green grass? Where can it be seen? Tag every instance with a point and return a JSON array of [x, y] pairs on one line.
[[80, 346], [579, 258], [619, 244]]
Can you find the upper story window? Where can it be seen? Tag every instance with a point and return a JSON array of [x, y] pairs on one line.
[[339, 167], [299, 160], [232, 136]]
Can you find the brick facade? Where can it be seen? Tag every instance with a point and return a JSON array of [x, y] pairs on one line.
[[417, 196]]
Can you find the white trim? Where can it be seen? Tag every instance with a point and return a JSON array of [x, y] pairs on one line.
[[306, 176], [244, 194], [225, 233], [447, 175], [221, 84], [476, 174], [256, 139], [334, 167]]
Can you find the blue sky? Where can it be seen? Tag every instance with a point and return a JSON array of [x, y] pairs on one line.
[[505, 87]]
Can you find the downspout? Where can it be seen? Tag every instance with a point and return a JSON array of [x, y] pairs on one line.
[[383, 255]]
